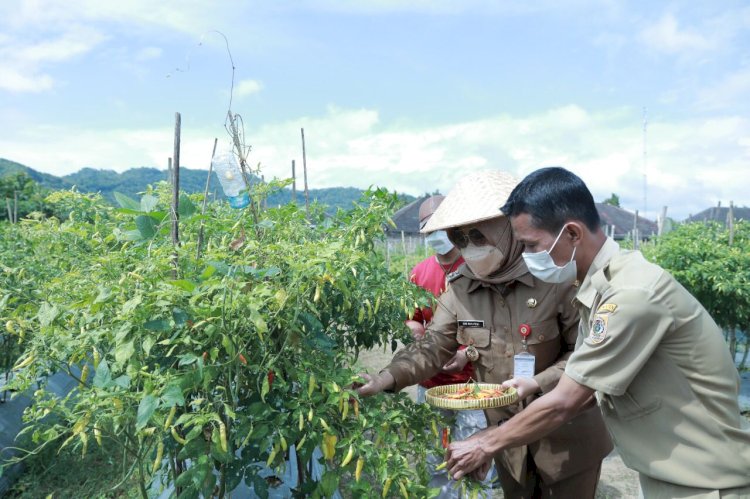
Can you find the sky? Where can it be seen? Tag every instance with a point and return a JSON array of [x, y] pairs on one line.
[[648, 100]]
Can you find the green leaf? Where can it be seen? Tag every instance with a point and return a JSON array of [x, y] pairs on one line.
[[47, 314], [124, 351], [208, 272], [184, 285], [148, 343], [157, 325], [131, 304], [186, 208], [102, 377], [146, 226], [148, 203], [172, 395], [127, 202], [146, 409]]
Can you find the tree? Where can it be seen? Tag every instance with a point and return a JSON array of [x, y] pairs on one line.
[[699, 256], [613, 200], [19, 196]]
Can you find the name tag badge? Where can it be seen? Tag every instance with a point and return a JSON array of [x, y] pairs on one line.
[[472, 323], [523, 365]]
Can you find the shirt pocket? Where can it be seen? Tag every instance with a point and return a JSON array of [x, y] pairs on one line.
[[477, 336], [626, 407], [543, 332]]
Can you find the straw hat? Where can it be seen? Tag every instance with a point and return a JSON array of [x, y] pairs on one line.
[[427, 208], [476, 197]]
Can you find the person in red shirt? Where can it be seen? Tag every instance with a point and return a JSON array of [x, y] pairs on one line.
[[432, 274]]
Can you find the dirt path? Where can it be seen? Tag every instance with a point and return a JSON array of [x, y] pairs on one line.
[[617, 481]]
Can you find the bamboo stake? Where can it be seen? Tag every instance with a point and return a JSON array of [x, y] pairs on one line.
[[304, 168], [730, 222], [294, 184], [205, 200], [662, 220], [176, 192]]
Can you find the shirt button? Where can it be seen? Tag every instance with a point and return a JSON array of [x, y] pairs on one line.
[[541, 337]]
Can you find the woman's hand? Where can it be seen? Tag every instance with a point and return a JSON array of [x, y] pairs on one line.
[[457, 362], [374, 384]]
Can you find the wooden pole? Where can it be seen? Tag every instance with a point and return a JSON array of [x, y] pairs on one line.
[[403, 247], [10, 212], [662, 221], [176, 191], [15, 207], [304, 168], [730, 222], [294, 184], [205, 200]]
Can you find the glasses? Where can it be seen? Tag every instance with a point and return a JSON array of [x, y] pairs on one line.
[[461, 238]]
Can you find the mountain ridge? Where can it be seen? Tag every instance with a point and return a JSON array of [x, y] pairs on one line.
[[135, 180]]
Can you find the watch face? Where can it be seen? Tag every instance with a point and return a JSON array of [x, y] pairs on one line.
[[471, 353]]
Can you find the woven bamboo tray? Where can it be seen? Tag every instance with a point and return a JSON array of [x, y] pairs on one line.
[[433, 396]]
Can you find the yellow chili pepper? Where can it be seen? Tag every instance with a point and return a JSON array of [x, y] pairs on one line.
[[348, 457], [159, 454], [170, 417], [177, 436], [358, 469]]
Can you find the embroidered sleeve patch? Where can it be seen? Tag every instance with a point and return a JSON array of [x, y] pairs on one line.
[[598, 329], [606, 308]]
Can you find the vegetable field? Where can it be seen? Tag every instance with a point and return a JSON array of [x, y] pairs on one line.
[[207, 368]]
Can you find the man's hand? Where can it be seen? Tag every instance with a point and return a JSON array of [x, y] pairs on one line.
[[524, 386], [457, 362], [374, 384], [468, 456], [417, 329]]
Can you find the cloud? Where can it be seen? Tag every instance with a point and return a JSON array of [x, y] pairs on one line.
[[668, 37], [24, 57], [726, 93], [691, 164], [247, 87], [148, 54]]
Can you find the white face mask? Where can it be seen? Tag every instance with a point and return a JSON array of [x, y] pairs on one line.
[[439, 242], [482, 260], [543, 267]]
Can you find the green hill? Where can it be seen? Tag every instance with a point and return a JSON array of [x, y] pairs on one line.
[[135, 180]]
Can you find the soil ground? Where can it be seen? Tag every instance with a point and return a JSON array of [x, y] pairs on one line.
[[616, 482]]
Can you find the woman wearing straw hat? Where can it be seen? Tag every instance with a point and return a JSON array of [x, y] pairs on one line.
[[512, 325]]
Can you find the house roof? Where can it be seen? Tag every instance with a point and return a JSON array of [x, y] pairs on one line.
[[407, 220], [720, 214], [622, 220]]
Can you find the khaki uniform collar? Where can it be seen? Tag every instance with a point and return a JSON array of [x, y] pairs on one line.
[[587, 292], [475, 284]]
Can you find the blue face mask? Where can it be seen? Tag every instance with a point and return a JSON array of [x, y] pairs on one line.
[[439, 242], [543, 267]]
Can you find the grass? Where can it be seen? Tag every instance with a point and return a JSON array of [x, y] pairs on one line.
[[68, 474]]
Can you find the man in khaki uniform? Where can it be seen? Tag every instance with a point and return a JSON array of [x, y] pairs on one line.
[[662, 374], [489, 303]]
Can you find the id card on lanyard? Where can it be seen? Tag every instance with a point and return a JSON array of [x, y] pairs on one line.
[[524, 362]]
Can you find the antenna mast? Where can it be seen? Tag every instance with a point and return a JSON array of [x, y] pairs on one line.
[[645, 165]]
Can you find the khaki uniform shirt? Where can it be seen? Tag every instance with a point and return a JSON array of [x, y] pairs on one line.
[[666, 384], [488, 317]]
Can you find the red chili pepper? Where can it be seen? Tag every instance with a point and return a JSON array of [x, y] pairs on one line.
[[271, 375], [446, 432], [243, 359]]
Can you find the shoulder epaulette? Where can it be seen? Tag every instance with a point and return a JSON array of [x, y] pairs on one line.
[[453, 276]]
